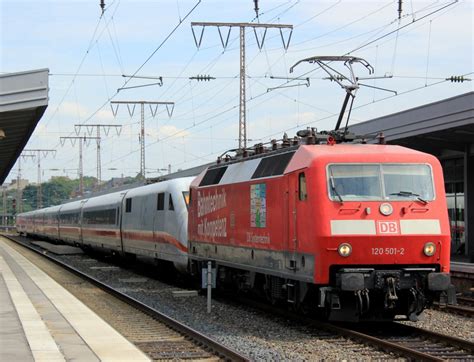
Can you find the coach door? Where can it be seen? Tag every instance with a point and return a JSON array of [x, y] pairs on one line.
[[80, 222], [159, 215]]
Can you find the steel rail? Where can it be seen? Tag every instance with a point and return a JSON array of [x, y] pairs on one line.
[[220, 350], [350, 333], [453, 341], [466, 301], [457, 309], [464, 307], [382, 344]]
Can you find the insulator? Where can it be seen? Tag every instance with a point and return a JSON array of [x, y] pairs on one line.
[[274, 144], [336, 77], [457, 79], [201, 78]]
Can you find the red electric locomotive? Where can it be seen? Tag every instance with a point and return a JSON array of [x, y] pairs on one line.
[[354, 231]]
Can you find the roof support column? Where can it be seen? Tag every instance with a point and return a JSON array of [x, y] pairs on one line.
[[469, 202]]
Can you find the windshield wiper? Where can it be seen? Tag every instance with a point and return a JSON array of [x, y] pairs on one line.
[[333, 187], [408, 194]]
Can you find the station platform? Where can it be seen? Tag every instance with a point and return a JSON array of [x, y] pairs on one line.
[[459, 267], [42, 321]]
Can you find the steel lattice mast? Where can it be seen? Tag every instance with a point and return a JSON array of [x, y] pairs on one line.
[[39, 152], [225, 42], [19, 191], [90, 129], [82, 140], [153, 109]]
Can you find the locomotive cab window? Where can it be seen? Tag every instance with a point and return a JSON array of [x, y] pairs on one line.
[[303, 194], [351, 182], [170, 203], [160, 205], [407, 181]]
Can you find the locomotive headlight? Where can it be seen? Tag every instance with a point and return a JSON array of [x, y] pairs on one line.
[[386, 209], [344, 250], [429, 249]]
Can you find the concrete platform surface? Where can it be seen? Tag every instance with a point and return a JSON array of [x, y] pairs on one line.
[[41, 321], [458, 267]]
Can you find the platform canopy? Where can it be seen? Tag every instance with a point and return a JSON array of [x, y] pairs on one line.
[[446, 130], [433, 128], [23, 100]]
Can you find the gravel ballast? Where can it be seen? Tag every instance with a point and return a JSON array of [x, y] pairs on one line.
[[251, 332]]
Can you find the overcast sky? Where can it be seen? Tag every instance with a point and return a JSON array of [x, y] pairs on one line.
[[87, 55]]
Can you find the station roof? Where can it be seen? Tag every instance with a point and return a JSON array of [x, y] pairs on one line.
[[444, 125], [23, 100]]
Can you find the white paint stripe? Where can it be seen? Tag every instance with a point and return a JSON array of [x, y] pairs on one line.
[[240, 172], [43, 347], [353, 227], [420, 227], [103, 340]]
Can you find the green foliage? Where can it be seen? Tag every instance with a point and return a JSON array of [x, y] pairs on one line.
[[56, 191]]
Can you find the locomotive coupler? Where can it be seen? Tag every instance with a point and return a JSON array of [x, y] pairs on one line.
[[391, 293], [363, 300]]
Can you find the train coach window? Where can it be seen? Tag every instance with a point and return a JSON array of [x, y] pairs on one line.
[[160, 204], [170, 203], [303, 194], [69, 218], [128, 205], [100, 217]]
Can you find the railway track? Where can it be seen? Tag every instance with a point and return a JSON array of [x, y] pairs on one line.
[[394, 338], [204, 348], [405, 341], [464, 307], [466, 301], [414, 343]]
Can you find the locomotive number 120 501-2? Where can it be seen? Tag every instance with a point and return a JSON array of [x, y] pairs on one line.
[[388, 251]]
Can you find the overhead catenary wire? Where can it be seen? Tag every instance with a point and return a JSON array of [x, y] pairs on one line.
[[260, 78], [279, 133], [144, 63], [428, 54], [103, 71], [77, 71], [307, 123]]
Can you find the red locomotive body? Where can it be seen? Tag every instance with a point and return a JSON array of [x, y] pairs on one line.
[[354, 231]]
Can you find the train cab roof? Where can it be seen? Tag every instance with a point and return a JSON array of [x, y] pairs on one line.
[[357, 153], [108, 200], [290, 159], [72, 206], [51, 209], [179, 184]]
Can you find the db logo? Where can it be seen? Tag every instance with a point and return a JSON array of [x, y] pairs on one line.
[[388, 227]]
